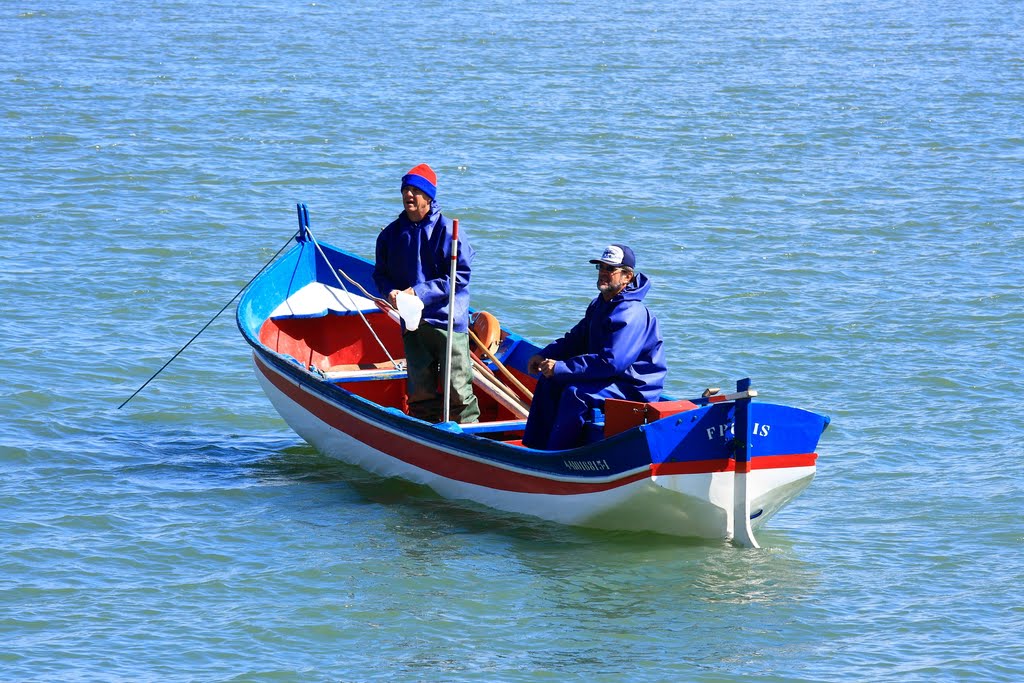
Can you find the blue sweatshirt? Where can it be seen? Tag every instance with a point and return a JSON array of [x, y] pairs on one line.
[[617, 341], [418, 255]]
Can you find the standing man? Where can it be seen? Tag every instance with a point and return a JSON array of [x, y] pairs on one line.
[[614, 352], [414, 256]]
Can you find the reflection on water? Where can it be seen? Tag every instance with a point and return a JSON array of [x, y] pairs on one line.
[[452, 561]]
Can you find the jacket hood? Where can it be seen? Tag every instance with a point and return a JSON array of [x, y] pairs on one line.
[[636, 290]]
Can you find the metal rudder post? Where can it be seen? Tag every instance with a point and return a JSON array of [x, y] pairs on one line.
[[742, 533]]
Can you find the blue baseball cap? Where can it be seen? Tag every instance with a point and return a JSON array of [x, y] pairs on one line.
[[617, 255]]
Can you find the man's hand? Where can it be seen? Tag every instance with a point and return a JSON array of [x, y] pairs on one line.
[[393, 296], [544, 366]]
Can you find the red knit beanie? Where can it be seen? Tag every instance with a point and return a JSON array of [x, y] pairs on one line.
[[423, 177]]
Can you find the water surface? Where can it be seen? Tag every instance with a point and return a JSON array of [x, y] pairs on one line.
[[825, 194]]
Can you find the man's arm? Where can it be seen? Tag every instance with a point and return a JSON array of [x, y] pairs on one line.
[[622, 346], [380, 267]]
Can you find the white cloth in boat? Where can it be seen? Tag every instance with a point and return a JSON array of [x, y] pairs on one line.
[[316, 300]]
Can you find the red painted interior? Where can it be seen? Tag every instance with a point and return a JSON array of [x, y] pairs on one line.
[[333, 340], [385, 392]]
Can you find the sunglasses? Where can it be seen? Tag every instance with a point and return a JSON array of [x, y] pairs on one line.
[[605, 268]]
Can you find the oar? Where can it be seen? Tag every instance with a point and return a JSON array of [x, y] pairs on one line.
[[486, 379], [196, 335], [500, 365]]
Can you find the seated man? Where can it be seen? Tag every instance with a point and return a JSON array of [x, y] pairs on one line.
[[614, 352]]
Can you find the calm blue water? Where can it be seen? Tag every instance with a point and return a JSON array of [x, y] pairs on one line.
[[826, 194]]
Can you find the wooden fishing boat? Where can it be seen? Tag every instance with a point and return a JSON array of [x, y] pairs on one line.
[[329, 356]]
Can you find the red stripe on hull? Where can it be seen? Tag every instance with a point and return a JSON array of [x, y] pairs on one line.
[[761, 462], [440, 462], [451, 465]]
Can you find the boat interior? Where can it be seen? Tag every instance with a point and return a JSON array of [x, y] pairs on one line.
[[349, 341], [361, 352]]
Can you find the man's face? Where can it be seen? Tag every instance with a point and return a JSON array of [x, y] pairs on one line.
[[416, 203], [611, 279]]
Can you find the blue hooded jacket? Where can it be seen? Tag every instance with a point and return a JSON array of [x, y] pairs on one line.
[[617, 341], [418, 255]]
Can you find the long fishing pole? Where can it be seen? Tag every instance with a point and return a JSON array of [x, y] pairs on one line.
[[196, 336]]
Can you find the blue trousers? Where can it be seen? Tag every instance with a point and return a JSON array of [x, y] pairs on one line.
[[558, 411]]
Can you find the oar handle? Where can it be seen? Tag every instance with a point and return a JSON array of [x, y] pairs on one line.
[[501, 366]]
